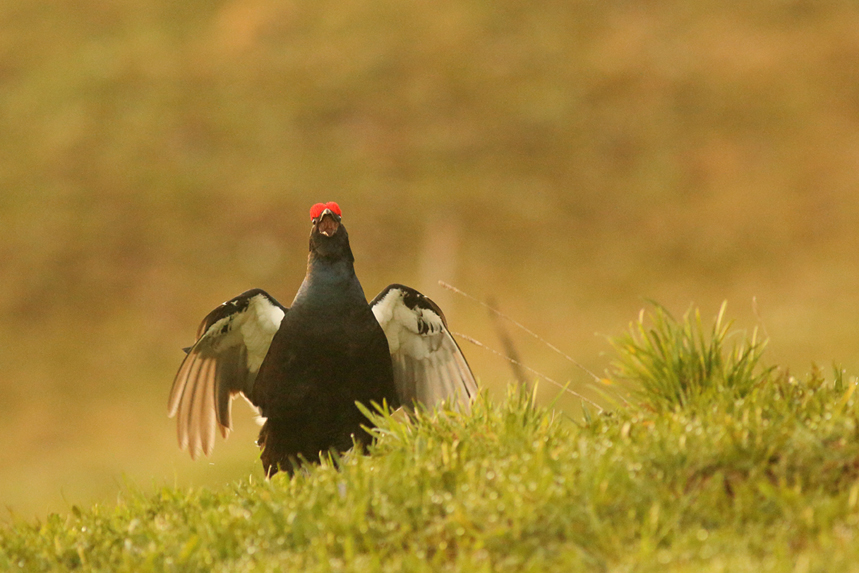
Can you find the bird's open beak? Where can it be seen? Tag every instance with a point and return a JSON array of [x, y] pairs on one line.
[[328, 223]]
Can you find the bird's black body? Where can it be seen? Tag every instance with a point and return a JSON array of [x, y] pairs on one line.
[[305, 367], [328, 353]]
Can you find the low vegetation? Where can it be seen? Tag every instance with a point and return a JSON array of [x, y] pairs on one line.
[[714, 463]]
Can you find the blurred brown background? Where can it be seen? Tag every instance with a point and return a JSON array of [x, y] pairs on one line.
[[568, 158]]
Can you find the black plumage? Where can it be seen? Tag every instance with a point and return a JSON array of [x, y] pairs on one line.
[[330, 352], [305, 366]]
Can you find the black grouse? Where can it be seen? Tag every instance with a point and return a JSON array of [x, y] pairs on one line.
[[305, 366]]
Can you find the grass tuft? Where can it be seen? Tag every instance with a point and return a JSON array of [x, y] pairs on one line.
[[674, 363], [760, 474]]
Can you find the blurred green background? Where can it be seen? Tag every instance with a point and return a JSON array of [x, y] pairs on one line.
[[567, 158]]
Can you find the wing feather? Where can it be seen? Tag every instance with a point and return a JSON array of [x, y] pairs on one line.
[[203, 416], [192, 430], [228, 370], [429, 367], [232, 342]]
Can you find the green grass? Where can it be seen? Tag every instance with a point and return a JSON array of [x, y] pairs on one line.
[[674, 362], [726, 465], [159, 157]]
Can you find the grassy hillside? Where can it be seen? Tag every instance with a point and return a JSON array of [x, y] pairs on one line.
[[567, 158], [724, 466]]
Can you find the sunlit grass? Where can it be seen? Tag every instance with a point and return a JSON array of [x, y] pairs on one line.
[[673, 363], [158, 158], [757, 471]]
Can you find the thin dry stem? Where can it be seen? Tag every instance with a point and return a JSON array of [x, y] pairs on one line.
[[529, 369], [509, 348], [521, 326], [760, 318]]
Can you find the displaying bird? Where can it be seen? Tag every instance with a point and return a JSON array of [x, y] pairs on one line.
[[304, 367]]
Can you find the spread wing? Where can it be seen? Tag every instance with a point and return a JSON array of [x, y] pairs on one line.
[[232, 342], [428, 365]]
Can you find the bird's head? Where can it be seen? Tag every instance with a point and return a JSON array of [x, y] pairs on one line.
[[328, 237], [326, 218]]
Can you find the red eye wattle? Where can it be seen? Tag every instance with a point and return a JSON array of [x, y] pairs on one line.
[[319, 208]]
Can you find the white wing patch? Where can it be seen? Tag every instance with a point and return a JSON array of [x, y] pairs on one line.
[[258, 330], [232, 344], [404, 326], [429, 367]]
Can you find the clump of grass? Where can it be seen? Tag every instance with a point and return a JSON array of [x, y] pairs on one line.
[[762, 478], [677, 362]]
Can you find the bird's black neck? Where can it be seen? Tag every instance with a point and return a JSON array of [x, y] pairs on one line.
[[329, 279]]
